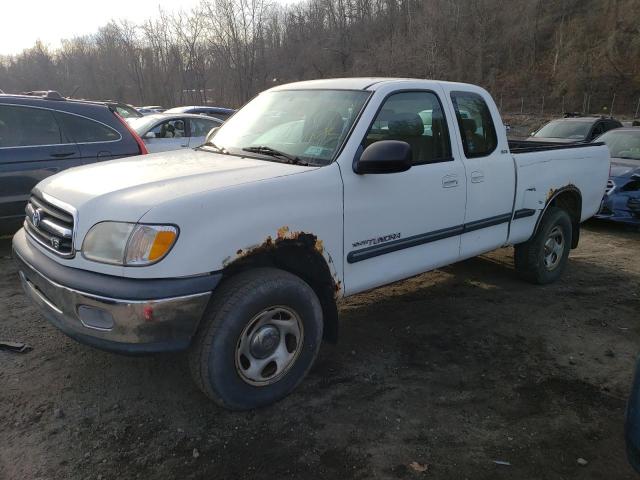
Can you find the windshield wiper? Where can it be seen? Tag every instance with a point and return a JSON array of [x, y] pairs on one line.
[[272, 152]]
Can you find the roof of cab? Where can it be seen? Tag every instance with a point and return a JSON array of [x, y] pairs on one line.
[[356, 83]]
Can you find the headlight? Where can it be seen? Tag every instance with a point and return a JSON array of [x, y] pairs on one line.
[[128, 244]]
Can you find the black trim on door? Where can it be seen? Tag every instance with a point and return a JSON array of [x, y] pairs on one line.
[[395, 245], [487, 222], [422, 238], [523, 213]]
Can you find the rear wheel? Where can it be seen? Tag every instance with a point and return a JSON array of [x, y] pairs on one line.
[[258, 339], [543, 258]]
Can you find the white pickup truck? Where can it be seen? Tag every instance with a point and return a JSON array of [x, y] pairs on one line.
[[239, 250]]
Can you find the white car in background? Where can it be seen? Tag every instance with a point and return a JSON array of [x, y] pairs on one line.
[[162, 132]]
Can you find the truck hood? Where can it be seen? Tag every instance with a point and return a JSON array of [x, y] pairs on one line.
[[129, 187], [554, 140]]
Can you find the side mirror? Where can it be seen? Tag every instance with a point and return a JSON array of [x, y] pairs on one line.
[[385, 156], [149, 135], [211, 134]]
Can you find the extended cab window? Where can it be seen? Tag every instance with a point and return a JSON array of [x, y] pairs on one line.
[[25, 126], [475, 123], [82, 130], [415, 118]]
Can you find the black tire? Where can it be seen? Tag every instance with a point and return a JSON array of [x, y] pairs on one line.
[[214, 354], [530, 256]]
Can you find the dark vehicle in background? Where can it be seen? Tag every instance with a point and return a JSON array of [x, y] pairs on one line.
[[45, 133], [621, 202], [217, 112], [573, 129], [149, 109]]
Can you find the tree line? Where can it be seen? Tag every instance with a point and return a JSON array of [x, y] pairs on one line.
[[225, 51]]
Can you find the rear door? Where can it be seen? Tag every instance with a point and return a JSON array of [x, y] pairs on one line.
[[96, 140], [489, 170], [32, 147], [199, 128]]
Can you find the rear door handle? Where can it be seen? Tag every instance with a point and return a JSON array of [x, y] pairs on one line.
[[62, 154], [449, 181], [477, 177]]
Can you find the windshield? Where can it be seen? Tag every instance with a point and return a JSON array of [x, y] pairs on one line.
[[564, 129], [623, 144], [309, 125], [142, 124]]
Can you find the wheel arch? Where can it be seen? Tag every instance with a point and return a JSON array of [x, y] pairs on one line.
[[300, 254], [569, 198]]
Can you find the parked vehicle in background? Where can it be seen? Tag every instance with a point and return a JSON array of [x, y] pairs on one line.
[[126, 111], [154, 108], [42, 135], [162, 131], [621, 202], [239, 250], [217, 112], [574, 129]]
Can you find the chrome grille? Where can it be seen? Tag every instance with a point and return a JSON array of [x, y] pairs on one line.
[[610, 186], [50, 226]]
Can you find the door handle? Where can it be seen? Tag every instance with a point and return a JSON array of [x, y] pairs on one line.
[[62, 154], [449, 181], [477, 177], [184, 145]]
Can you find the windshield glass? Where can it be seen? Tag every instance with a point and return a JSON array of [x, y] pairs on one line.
[[564, 129], [623, 144], [142, 124], [307, 124]]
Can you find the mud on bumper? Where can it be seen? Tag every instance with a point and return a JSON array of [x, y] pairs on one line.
[[123, 315]]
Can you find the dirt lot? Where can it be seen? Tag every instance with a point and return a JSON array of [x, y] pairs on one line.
[[453, 370]]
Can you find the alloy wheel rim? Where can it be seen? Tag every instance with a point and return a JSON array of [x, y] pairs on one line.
[[269, 345]]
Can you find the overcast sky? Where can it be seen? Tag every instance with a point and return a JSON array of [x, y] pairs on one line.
[[25, 21]]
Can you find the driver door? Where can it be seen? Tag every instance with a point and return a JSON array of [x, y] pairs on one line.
[[397, 225]]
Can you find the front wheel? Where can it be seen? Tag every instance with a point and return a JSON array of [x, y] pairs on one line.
[[259, 338], [543, 258]]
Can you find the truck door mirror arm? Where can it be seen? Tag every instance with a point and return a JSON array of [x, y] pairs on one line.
[[385, 156]]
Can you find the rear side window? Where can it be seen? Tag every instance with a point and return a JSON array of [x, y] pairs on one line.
[[476, 126], [415, 118], [200, 128], [83, 130], [26, 126]]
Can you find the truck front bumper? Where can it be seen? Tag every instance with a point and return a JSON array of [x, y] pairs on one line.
[[118, 314]]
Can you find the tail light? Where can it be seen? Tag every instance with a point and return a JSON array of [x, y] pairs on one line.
[[141, 146]]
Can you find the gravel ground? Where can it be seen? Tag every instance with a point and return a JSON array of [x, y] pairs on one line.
[[439, 376]]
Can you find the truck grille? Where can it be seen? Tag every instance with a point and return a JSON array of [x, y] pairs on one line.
[[50, 226]]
